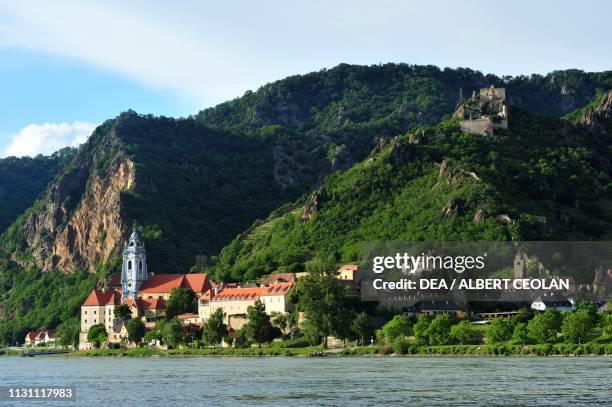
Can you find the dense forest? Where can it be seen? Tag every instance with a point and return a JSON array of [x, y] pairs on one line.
[[23, 179], [543, 179], [370, 141]]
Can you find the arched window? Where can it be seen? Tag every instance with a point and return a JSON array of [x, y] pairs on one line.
[[129, 264]]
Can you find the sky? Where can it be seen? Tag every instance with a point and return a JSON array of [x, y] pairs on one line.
[[66, 66]]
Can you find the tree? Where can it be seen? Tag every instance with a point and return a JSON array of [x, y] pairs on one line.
[[136, 330], [520, 333], [419, 329], [438, 331], [544, 327], [462, 332], [325, 304], [577, 326], [215, 329], [97, 334], [172, 332], [181, 301], [591, 310], [500, 330], [122, 312], [68, 332], [362, 326], [258, 327], [280, 320], [606, 324], [523, 315], [191, 333], [399, 326]]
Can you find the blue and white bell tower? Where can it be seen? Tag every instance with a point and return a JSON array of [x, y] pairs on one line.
[[134, 267]]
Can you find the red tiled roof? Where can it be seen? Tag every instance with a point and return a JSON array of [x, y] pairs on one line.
[[277, 289], [164, 283], [350, 267], [151, 303], [197, 282], [247, 293], [32, 335], [103, 297]]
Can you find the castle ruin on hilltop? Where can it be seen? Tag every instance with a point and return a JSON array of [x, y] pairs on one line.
[[484, 111]]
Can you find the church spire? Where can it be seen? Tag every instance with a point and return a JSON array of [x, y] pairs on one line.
[[134, 266]]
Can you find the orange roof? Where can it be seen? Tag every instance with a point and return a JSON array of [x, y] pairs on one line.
[[349, 267], [103, 297], [197, 282], [164, 283], [247, 293], [151, 303], [148, 303], [277, 289]]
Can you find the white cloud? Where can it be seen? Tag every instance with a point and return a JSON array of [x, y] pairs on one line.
[[47, 138]]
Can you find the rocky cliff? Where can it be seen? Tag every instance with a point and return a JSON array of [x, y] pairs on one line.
[[599, 115], [80, 220]]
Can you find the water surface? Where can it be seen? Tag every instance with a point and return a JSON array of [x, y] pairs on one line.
[[552, 381]]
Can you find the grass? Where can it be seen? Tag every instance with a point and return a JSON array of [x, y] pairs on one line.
[[243, 352]]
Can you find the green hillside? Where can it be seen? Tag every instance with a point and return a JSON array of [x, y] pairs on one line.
[[23, 179], [200, 181], [544, 179]]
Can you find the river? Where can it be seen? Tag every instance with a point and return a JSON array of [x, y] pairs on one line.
[[337, 381]]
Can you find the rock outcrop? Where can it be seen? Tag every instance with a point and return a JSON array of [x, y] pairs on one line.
[[598, 117], [80, 220]]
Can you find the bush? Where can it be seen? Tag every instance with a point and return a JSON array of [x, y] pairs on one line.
[[400, 346], [500, 330]]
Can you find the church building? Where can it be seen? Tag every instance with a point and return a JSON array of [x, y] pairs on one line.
[[145, 293]]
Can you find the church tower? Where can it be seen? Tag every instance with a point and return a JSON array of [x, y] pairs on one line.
[[520, 265], [134, 267]]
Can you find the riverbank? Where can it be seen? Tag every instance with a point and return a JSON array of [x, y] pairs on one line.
[[559, 349]]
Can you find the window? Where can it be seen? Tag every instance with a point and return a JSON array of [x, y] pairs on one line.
[[95, 312], [95, 321], [140, 265], [85, 321], [85, 312], [129, 264]]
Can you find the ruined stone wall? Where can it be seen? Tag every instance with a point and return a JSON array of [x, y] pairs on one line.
[[483, 127]]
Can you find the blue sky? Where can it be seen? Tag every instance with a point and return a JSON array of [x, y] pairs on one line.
[[66, 66]]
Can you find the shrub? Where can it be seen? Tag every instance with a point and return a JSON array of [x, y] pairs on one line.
[[400, 346]]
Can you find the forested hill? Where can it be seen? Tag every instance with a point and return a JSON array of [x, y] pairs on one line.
[[23, 179], [194, 184], [543, 179], [396, 94]]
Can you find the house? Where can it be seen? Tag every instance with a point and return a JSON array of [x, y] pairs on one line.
[[348, 271], [433, 308], [552, 301], [144, 293], [191, 318], [235, 301], [35, 338]]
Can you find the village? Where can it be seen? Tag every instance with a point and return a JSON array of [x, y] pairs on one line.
[[138, 295]]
